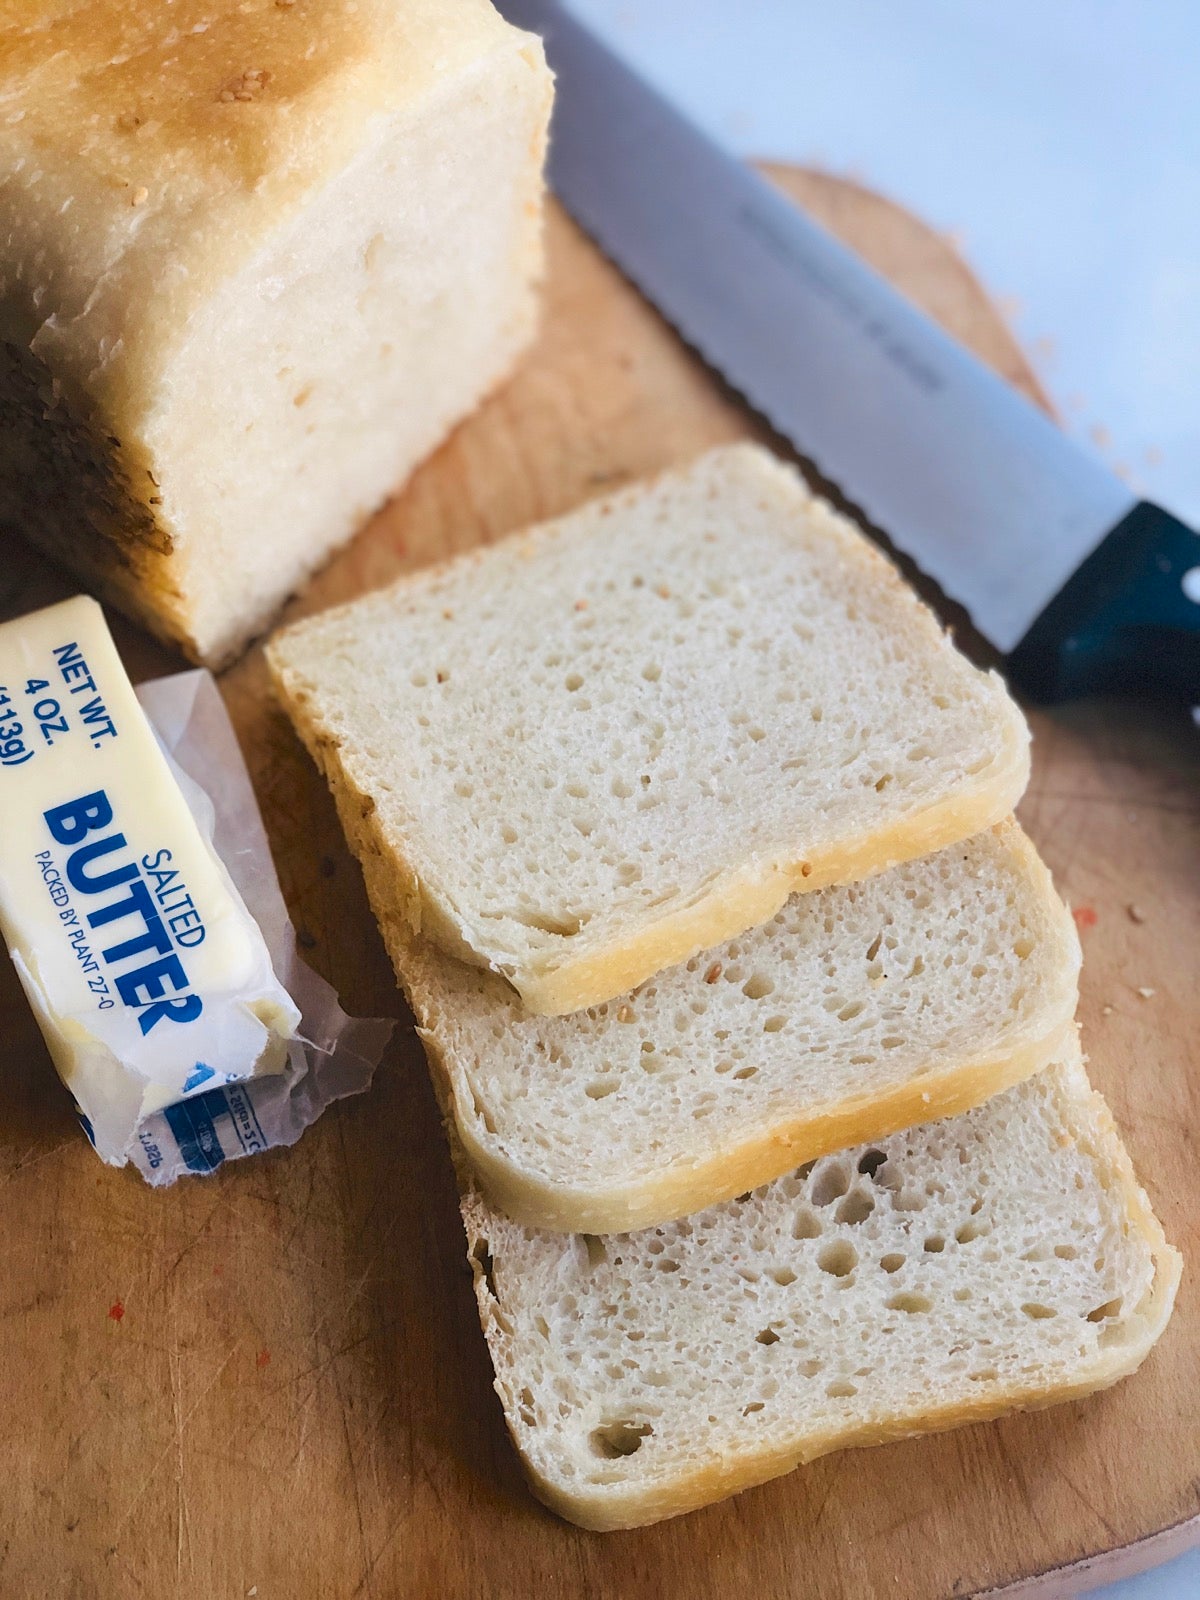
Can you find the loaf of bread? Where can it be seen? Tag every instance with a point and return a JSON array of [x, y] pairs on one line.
[[1003, 1258], [257, 260], [854, 1012], [592, 750]]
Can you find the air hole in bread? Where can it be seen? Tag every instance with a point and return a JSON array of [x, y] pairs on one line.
[[600, 1088], [841, 1390], [768, 1336], [481, 1260], [856, 1207], [934, 1244], [1036, 1311], [783, 1276], [870, 1162], [830, 1184], [757, 986], [1110, 1308], [755, 1405], [614, 1440], [1065, 1252], [807, 1225], [910, 1303], [775, 1024], [968, 1231], [564, 927], [839, 1258], [593, 1244]]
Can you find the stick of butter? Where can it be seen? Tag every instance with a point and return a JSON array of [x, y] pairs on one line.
[[148, 976]]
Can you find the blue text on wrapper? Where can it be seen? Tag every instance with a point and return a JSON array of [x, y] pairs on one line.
[[157, 989]]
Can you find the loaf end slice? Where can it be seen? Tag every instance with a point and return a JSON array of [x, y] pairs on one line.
[[595, 749], [854, 1012], [1003, 1259], [257, 275]]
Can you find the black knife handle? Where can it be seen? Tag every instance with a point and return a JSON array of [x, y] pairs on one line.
[[1128, 621]]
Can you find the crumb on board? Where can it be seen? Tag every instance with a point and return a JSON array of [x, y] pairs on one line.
[[1135, 913], [1145, 993]]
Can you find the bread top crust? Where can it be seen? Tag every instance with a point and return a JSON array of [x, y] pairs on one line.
[[150, 151]]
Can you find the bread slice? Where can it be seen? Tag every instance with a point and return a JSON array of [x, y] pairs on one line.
[[593, 750], [855, 1012], [1003, 1258], [270, 257]]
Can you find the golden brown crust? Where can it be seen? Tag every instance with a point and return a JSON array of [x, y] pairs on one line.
[[765, 1154], [202, 132]]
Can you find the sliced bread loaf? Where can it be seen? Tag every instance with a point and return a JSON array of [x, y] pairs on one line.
[[595, 749], [1003, 1258], [854, 1012]]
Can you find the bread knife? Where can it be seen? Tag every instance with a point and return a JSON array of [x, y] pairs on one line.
[[1079, 583]]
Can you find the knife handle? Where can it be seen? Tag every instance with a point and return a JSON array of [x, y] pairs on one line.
[[1128, 621]]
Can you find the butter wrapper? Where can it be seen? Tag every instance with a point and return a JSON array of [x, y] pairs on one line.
[[144, 916]]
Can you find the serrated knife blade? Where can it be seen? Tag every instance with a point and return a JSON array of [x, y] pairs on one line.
[[987, 496]]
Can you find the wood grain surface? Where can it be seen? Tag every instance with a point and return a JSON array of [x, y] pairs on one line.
[[271, 1382]]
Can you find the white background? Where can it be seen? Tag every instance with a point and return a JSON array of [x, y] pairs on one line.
[[1058, 141]]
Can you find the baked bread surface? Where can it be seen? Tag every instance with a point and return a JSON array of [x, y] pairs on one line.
[[590, 751], [257, 260]]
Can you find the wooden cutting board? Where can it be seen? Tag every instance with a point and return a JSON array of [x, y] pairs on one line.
[[271, 1382]]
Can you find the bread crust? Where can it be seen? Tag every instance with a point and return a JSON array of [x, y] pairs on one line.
[[763, 1155], [751, 896]]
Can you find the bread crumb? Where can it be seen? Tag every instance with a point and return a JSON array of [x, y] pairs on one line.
[[1106, 1011], [581, 605], [713, 973], [663, 592], [625, 1014], [1146, 994], [140, 196], [1136, 914]]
